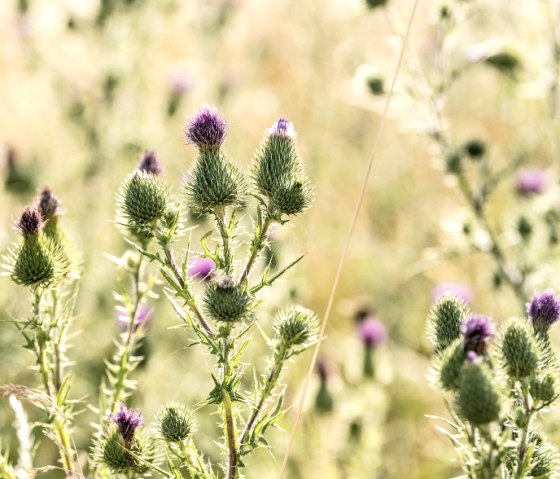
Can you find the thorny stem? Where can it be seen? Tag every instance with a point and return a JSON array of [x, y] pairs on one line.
[[267, 388], [59, 425], [175, 269], [522, 451], [192, 460], [256, 247], [229, 416], [226, 240]]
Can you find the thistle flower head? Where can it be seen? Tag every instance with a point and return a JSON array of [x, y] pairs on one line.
[[200, 267], [127, 420], [282, 128], [125, 457], [175, 423], [444, 321], [372, 331], [520, 351], [477, 331], [531, 181], [226, 302], [149, 163], [48, 203], [544, 309], [478, 398], [30, 221], [296, 326], [206, 128]]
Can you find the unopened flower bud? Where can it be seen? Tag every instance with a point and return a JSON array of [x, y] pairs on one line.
[[475, 148], [478, 397], [544, 388], [519, 350], [451, 364], [175, 423], [444, 321], [225, 301], [48, 203], [296, 326]]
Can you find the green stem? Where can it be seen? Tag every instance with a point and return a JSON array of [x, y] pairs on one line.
[[522, 450], [256, 246], [266, 391], [229, 414], [226, 240], [172, 265]]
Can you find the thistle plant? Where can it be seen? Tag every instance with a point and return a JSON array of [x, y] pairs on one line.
[[499, 384], [45, 263], [223, 315]]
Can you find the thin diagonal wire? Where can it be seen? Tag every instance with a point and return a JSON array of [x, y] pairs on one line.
[[347, 242]]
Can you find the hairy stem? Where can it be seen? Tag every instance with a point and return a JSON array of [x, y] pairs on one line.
[[257, 245], [226, 240], [229, 414]]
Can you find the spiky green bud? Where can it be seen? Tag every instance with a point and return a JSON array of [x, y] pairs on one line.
[[544, 388], [227, 302], [296, 326], [143, 200], [544, 460], [478, 399], [444, 321], [215, 183], [451, 363], [122, 458], [37, 262], [519, 351], [175, 423], [278, 173]]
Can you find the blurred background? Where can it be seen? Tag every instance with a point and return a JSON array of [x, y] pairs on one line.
[[86, 87]]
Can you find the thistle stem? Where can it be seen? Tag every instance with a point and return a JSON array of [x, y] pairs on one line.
[[266, 390], [229, 414], [226, 240], [175, 269], [256, 246], [522, 450]]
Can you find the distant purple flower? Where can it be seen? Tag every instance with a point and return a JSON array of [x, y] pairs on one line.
[[206, 128], [532, 181], [128, 420], [282, 127], [461, 291], [30, 221], [179, 83], [544, 308], [372, 331], [200, 267], [478, 331], [149, 163], [143, 317]]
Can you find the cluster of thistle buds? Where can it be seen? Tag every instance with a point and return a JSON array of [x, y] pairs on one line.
[[212, 290], [500, 381]]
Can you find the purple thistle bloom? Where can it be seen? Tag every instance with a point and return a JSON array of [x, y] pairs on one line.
[[478, 331], [531, 181], [149, 163], [143, 317], [282, 128], [128, 420], [372, 331], [47, 203], [179, 83], [544, 308], [30, 221], [206, 128], [461, 291], [200, 267]]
